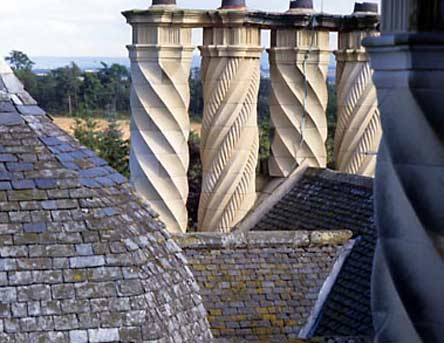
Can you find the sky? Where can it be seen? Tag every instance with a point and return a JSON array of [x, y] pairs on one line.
[[96, 27]]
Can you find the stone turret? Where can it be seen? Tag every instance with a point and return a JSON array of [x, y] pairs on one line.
[[408, 277], [87, 259]]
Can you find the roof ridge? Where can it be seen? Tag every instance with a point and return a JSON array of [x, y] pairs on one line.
[[338, 176], [4, 67], [238, 239], [13, 91]]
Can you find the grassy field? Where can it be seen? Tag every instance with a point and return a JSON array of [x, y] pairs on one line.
[[67, 124]]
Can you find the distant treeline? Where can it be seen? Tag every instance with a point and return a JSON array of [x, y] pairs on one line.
[[71, 91]]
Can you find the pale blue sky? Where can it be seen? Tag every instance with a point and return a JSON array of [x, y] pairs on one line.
[[96, 27]]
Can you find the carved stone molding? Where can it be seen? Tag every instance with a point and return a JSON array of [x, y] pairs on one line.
[[298, 135], [358, 129], [229, 136], [160, 67]]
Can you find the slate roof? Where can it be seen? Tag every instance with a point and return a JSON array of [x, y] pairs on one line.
[[327, 200], [82, 258], [262, 287]]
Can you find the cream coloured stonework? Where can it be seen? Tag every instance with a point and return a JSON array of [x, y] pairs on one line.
[[299, 64], [358, 129], [160, 67], [230, 137]]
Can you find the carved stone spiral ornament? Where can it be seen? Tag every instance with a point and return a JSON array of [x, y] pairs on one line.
[[358, 130], [160, 123], [408, 277], [299, 65], [230, 135]]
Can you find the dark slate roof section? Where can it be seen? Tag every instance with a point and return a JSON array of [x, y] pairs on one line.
[[262, 289], [323, 200], [329, 200], [311, 340], [82, 258]]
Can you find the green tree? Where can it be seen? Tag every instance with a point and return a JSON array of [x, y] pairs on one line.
[[90, 90], [332, 110], [114, 149], [19, 60], [22, 66], [68, 80], [263, 101], [108, 144], [196, 95], [115, 80], [194, 180], [264, 147], [86, 131]]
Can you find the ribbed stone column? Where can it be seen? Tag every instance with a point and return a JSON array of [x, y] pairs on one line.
[[358, 129], [299, 61], [160, 67], [408, 279], [230, 139]]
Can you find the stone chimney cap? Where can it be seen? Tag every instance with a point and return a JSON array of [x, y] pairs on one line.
[[301, 4], [366, 7], [163, 2], [233, 4]]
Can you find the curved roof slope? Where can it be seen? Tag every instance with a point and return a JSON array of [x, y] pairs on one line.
[[82, 258], [327, 200]]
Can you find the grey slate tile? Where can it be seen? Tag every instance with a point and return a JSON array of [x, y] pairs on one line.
[[23, 184], [46, 183], [34, 227], [10, 119], [30, 110], [7, 106]]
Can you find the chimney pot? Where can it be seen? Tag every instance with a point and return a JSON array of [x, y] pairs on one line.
[[163, 2], [301, 4], [366, 7], [233, 4]]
